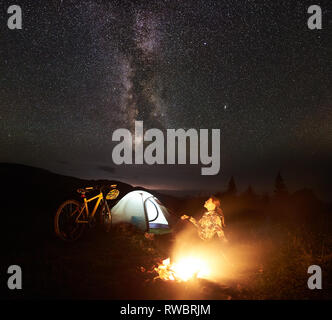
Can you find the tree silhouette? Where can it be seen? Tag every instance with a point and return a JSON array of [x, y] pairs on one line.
[[265, 198], [279, 185], [249, 192], [231, 187]]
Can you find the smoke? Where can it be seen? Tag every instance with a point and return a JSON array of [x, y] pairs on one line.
[[226, 261]]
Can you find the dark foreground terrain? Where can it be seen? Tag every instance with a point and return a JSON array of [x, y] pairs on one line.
[[272, 259], [102, 267]]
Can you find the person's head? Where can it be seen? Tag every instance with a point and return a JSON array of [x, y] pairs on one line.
[[212, 203]]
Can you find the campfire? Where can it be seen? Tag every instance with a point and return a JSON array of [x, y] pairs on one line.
[[184, 269]]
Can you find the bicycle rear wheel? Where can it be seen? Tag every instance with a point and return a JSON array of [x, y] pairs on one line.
[[65, 225]]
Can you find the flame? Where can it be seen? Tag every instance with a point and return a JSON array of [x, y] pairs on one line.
[[184, 269]]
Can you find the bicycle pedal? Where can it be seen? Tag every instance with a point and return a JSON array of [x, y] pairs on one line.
[[92, 223]]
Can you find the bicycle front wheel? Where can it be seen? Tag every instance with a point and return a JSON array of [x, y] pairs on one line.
[[65, 225], [106, 217]]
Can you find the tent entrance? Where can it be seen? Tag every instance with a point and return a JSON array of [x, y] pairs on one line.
[[155, 218], [143, 210]]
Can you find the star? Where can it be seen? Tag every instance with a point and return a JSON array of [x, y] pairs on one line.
[[172, 66]]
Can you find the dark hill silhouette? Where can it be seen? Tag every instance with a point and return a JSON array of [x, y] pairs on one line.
[[39, 188], [30, 197]]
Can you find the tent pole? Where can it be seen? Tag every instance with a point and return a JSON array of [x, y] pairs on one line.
[[146, 215]]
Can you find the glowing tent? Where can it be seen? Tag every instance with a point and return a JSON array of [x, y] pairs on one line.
[[143, 210]]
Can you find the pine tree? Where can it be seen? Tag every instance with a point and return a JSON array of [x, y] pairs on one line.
[[231, 187], [279, 185], [249, 192]]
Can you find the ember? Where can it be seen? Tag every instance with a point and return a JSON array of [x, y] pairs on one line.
[[183, 270]]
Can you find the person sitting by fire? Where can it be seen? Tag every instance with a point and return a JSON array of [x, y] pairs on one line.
[[211, 223]]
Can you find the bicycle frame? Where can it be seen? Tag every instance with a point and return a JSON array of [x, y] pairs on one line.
[[85, 207]]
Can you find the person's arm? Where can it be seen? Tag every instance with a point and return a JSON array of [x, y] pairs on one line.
[[219, 228], [223, 221], [222, 217], [194, 222], [191, 219], [219, 223]]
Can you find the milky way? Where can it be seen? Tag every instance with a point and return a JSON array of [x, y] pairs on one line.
[[81, 69]]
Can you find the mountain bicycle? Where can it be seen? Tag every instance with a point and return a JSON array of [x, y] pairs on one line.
[[73, 216]]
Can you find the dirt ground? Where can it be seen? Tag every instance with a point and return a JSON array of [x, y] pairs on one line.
[[116, 265], [120, 264]]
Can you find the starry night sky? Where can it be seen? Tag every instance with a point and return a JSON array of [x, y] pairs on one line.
[[81, 69]]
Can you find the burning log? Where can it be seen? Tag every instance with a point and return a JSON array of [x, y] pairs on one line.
[[185, 269]]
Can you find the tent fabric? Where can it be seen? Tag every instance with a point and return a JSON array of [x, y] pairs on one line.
[[143, 210]]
